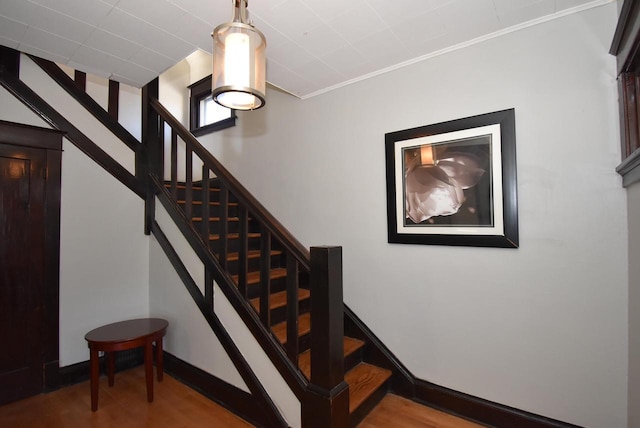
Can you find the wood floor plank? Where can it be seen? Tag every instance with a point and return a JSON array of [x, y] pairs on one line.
[[123, 406], [395, 411], [176, 406]]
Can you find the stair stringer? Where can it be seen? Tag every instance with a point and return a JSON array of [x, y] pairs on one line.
[[256, 360]]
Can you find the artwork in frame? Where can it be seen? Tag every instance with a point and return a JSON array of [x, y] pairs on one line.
[[454, 183]]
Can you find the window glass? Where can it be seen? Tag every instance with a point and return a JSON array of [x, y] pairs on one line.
[[205, 114], [211, 112]]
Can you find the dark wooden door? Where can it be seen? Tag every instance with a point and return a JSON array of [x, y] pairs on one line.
[[30, 181], [22, 273]]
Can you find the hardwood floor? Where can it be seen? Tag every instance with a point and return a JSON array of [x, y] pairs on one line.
[[394, 411], [122, 406], [177, 406]]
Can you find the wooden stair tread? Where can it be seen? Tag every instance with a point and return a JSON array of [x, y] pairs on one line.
[[254, 277], [198, 219], [350, 345], [279, 299], [304, 327], [251, 254], [215, 237], [364, 379], [194, 187], [212, 203]]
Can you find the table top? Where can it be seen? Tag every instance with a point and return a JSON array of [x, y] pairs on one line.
[[124, 331]]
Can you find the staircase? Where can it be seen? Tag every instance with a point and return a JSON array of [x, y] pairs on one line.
[[367, 382], [290, 298]]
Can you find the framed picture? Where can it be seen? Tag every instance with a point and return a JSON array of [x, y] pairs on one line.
[[454, 183]]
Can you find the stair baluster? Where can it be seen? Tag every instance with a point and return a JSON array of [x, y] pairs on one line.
[[292, 345], [243, 261], [223, 221], [188, 192], [205, 210], [148, 159], [265, 277], [174, 165]]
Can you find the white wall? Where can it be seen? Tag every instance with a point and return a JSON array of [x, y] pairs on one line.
[[130, 110], [104, 252], [633, 204], [60, 100], [542, 328]]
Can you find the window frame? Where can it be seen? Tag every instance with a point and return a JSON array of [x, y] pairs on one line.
[[199, 91]]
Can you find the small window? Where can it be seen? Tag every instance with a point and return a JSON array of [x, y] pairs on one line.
[[206, 115]]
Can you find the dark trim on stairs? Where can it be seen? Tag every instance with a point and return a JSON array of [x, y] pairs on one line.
[[113, 107], [402, 382], [294, 379], [258, 211], [79, 78], [40, 107], [89, 103], [405, 384], [265, 408]]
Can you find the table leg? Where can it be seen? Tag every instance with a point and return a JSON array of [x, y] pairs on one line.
[[148, 369], [95, 373], [159, 362], [111, 366]]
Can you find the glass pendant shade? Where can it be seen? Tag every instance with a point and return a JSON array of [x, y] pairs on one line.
[[239, 78]]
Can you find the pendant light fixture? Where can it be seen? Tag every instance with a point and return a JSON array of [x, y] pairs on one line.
[[238, 80]]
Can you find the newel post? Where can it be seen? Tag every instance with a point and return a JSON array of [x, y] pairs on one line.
[[149, 154], [326, 403]]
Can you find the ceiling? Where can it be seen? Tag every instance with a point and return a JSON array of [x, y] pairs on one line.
[[312, 45]]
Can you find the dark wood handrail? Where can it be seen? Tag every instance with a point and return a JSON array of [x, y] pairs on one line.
[[325, 397], [258, 211]]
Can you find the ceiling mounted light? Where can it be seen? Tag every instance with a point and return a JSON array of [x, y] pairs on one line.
[[238, 80]]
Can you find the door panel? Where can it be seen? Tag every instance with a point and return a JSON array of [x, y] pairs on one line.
[[22, 270]]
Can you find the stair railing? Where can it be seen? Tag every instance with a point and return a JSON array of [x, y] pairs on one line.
[[325, 397]]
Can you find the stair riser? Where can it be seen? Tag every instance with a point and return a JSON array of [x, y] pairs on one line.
[[214, 192], [233, 226], [214, 210], [352, 360], [367, 406], [279, 315], [254, 264], [304, 342], [233, 245], [277, 285]]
